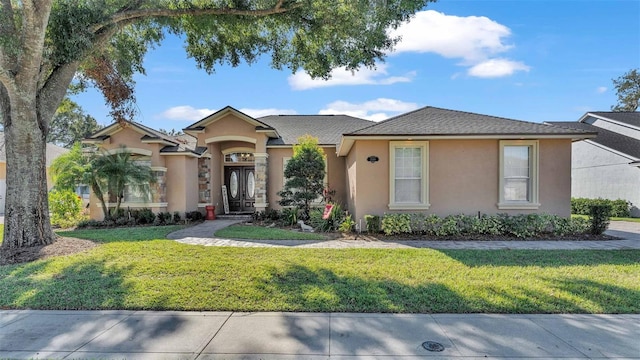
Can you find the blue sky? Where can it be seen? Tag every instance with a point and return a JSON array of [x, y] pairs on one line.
[[523, 59]]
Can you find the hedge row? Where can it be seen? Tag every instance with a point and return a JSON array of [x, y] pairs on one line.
[[619, 208], [144, 216], [521, 226]]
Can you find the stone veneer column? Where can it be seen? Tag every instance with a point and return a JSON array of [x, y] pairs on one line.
[[261, 168]]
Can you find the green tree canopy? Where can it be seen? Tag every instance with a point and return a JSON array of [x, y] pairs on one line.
[[45, 44], [70, 124], [628, 91], [304, 175]]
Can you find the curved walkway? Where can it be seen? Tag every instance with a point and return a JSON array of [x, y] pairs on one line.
[[202, 234]]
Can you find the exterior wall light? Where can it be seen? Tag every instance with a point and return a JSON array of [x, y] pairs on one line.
[[372, 159]]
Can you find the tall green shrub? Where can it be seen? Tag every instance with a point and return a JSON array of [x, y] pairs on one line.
[[65, 207], [599, 218], [305, 175]]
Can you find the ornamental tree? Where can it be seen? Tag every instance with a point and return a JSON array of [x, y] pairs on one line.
[[45, 44], [304, 175]]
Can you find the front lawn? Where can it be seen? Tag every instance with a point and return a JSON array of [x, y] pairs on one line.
[[263, 233], [167, 275]]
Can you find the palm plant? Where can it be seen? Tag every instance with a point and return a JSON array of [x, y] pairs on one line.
[[105, 173], [120, 170]]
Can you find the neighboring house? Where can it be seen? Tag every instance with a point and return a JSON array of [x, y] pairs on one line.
[[607, 166], [429, 160], [53, 151]]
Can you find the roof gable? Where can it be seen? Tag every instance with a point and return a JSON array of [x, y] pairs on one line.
[[631, 118], [201, 124], [618, 142]]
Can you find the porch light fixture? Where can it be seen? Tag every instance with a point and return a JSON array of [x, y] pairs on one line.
[[372, 159]]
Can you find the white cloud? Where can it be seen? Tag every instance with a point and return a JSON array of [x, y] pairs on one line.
[[256, 113], [497, 68], [185, 112], [376, 110], [476, 40], [472, 38], [364, 76], [601, 89], [189, 113]]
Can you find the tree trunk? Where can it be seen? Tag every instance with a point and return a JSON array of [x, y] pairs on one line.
[[26, 211]]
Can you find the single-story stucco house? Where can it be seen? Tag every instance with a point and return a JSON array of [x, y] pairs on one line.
[[607, 166], [429, 160]]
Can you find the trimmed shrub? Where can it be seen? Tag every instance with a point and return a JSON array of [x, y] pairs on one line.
[[176, 217], [143, 216], [163, 218], [599, 218], [619, 207], [194, 216], [520, 226], [89, 224], [372, 223], [394, 224]]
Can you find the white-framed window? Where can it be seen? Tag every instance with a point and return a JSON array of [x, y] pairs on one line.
[[408, 175], [518, 174]]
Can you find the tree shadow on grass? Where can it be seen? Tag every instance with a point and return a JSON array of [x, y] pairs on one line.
[[300, 288], [543, 258], [86, 284]]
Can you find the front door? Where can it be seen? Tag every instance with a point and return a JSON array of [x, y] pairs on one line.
[[241, 188]]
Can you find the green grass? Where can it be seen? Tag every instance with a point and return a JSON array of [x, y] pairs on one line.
[[612, 219], [123, 234], [167, 275], [262, 233]]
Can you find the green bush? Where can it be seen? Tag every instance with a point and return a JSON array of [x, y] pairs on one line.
[[347, 224], [520, 226], [290, 216], [372, 223], [164, 218], [194, 215], [90, 224], [619, 207], [65, 207], [394, 224], [176, 217], [143, 216], [599, 217]]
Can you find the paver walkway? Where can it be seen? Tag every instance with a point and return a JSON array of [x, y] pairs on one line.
[[202, 234]]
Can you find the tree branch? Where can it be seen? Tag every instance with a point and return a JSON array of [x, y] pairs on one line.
[[36, 17], [54, 89], [132, 15]]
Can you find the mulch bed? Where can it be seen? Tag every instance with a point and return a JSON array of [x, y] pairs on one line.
[[62, 246]]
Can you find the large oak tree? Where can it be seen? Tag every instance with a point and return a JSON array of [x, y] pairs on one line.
[[46, 44]]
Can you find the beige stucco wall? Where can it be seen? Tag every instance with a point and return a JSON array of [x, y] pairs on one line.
[[350, 180], [182, 183], [3, 170], [463, 177], [217, 177]]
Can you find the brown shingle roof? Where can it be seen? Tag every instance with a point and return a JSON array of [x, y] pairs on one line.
[[327, 128], [436, 121]]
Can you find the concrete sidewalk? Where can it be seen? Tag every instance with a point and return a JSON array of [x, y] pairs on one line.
[[224, 335]]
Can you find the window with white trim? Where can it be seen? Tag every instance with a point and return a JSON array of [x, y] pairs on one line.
[[408, 175], [518, 174]]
